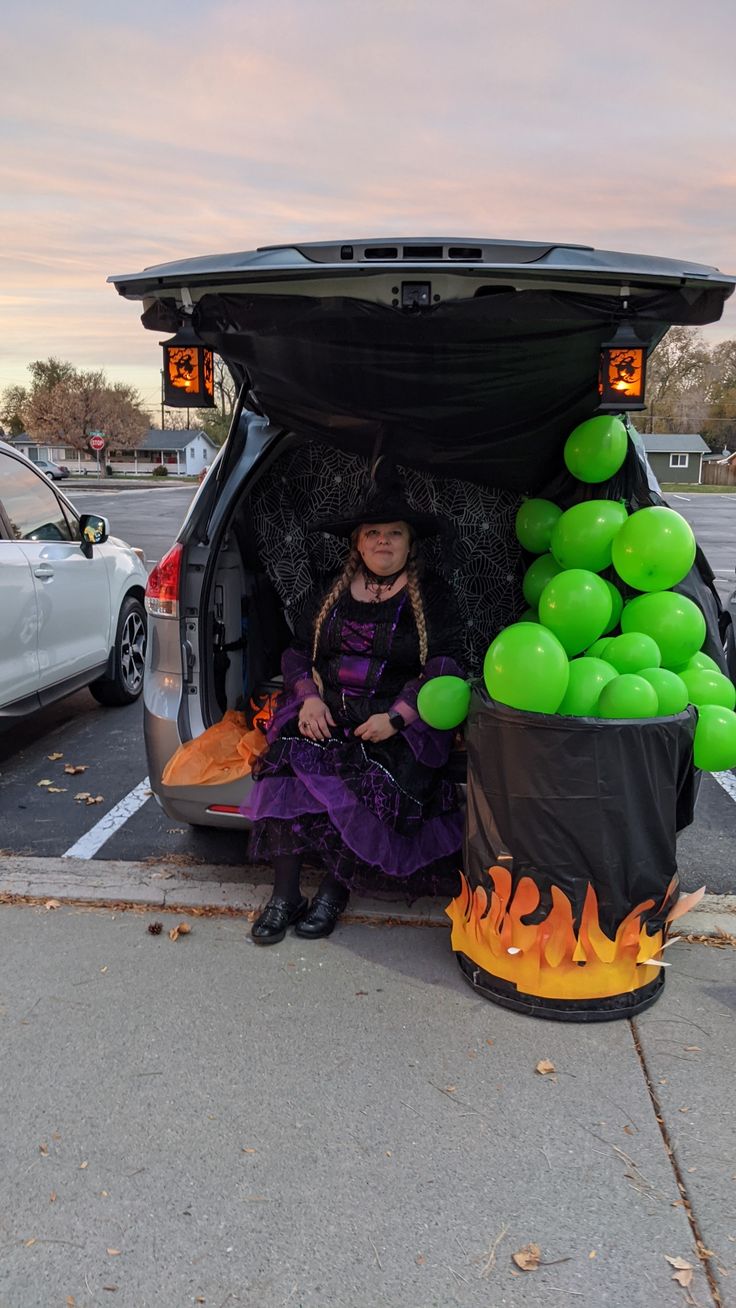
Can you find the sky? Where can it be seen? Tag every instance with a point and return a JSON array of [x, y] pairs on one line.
[[142, 132]]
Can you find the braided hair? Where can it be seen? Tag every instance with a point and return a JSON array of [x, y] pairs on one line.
[[342, 583]]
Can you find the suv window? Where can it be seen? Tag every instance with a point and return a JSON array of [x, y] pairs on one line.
[[32, 509]]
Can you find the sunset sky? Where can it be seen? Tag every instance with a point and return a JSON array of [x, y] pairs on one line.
[[152, 131]]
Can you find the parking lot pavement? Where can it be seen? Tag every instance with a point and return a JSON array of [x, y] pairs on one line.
[[144, 517], [713, 519]]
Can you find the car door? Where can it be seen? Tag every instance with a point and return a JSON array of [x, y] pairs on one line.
[[72, 591], [19, 673]]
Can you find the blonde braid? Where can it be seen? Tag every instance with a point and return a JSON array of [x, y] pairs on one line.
[[333, 594], [415, 598]]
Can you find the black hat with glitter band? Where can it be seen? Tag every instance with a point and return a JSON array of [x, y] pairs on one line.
[[385, 501]]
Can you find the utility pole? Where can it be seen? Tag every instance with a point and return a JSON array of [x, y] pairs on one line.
[[162, 400]]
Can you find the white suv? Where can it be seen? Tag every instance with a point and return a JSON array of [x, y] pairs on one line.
[[71, 598]]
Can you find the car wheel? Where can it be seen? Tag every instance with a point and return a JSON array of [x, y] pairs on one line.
[[126, 683]]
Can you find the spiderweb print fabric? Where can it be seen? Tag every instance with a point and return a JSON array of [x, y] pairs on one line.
[[483, 564]]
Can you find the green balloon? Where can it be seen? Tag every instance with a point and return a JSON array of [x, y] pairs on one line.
[[654, 549], [596, 449], [536, 577], [672, 620], [628, 696], [443, 702], [527, 668], [584, 535], [699, 660], [576, 606], [529, 615], [671, 690], [708, 687], [632, 652], [587, 678], [534, 523], [598, 648], [617, 604], [715, 739]]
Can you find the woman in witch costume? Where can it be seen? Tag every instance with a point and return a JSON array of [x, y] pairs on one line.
[[352, 776]]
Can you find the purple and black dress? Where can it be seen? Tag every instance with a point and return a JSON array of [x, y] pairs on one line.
[[381, 817]]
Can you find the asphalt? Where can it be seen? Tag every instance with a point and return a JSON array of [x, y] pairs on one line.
[[344, 1124]]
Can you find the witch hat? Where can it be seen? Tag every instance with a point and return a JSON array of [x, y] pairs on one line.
[[384, 501]]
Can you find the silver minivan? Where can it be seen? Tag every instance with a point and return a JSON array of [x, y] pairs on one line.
[[469, 361]]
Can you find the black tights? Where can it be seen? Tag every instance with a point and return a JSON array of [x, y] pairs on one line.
[[286, 871]]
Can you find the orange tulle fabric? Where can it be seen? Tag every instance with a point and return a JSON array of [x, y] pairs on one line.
[[224, 752]]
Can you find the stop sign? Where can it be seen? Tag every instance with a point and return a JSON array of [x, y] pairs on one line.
[[97, 442]]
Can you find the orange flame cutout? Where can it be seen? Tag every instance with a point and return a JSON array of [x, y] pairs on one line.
[[550, 959]]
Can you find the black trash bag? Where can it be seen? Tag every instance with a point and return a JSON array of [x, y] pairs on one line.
[[570, 858]]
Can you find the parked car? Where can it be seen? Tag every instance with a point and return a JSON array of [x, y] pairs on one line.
[[469, 361], [52, 470], [71, 598]]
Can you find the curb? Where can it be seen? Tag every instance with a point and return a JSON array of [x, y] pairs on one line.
[[165, 886]]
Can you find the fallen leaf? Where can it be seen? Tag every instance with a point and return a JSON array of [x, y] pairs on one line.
[[53, 757], [489, 1042], [528, 1257], [200, 1299], [72, 769], [450, 1089], [28, 1243], [94, 799], [154, 928], [629, 1130], [113, 1252], [43, 1149], [420, 1259], [70, 1301], [174, 933], [83, 794], [683, 1277], [593, 1253], [45, 782], [248, 1151], [82, 1166], [104, 969], [53, 1197], [389, 1153], [184, 928], [111, 1288], [56, 1135], [692, 1049], [52, 903], [545, 1067], [681, 1264], [57, 790]]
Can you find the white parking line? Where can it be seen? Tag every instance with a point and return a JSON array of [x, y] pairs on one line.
[[728, 781], [675, 496], [92, 840]]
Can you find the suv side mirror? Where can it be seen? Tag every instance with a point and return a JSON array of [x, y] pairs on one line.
[[95, 531]]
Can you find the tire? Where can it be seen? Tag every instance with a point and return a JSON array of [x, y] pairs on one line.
[[126, 683]]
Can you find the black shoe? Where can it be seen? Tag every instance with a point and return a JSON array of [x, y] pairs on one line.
[[321, 918], [270, 927]]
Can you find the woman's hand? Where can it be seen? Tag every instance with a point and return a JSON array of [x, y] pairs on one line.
[[375, 728], [315, 719]]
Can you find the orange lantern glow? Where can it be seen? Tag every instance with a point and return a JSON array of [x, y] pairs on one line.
[[622, 372], [188, 372]]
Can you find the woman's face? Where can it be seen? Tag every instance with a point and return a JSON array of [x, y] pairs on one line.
[[384, 546]]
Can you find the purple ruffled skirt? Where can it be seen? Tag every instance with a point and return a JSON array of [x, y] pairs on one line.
[[382, 822]]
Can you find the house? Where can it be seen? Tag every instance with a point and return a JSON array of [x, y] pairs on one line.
[[674, 457], [184, 453]]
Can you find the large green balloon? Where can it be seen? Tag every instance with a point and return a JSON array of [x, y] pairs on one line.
[[534, 523], [715, 739], [598, 649], [674, 621], [443, 702], [699, 660], [628, 696], [576, 606], [708, 687], [654, 549], [671, 690], [595, 450], [632, 652], [536, 577], [527, 668], [587, 679], [584, 535], [617, 603]]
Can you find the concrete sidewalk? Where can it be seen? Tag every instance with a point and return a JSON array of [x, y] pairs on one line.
[[344, 1124]]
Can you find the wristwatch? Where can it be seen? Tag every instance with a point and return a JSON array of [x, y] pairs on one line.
[[396, 720]]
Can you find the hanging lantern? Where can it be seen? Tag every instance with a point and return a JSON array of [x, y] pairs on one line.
[[622, 371], [188, 372]]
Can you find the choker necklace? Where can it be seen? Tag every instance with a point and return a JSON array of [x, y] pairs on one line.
[[375, 584]]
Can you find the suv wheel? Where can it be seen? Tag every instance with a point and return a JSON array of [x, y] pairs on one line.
[[126, 683]]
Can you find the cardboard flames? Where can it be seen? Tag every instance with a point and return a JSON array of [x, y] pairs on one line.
[[555, 958]]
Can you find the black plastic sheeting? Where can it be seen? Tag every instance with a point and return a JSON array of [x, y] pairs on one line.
[[573, 802], [485, 389]]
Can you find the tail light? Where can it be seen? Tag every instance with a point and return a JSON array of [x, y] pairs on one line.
[[162, 591]]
